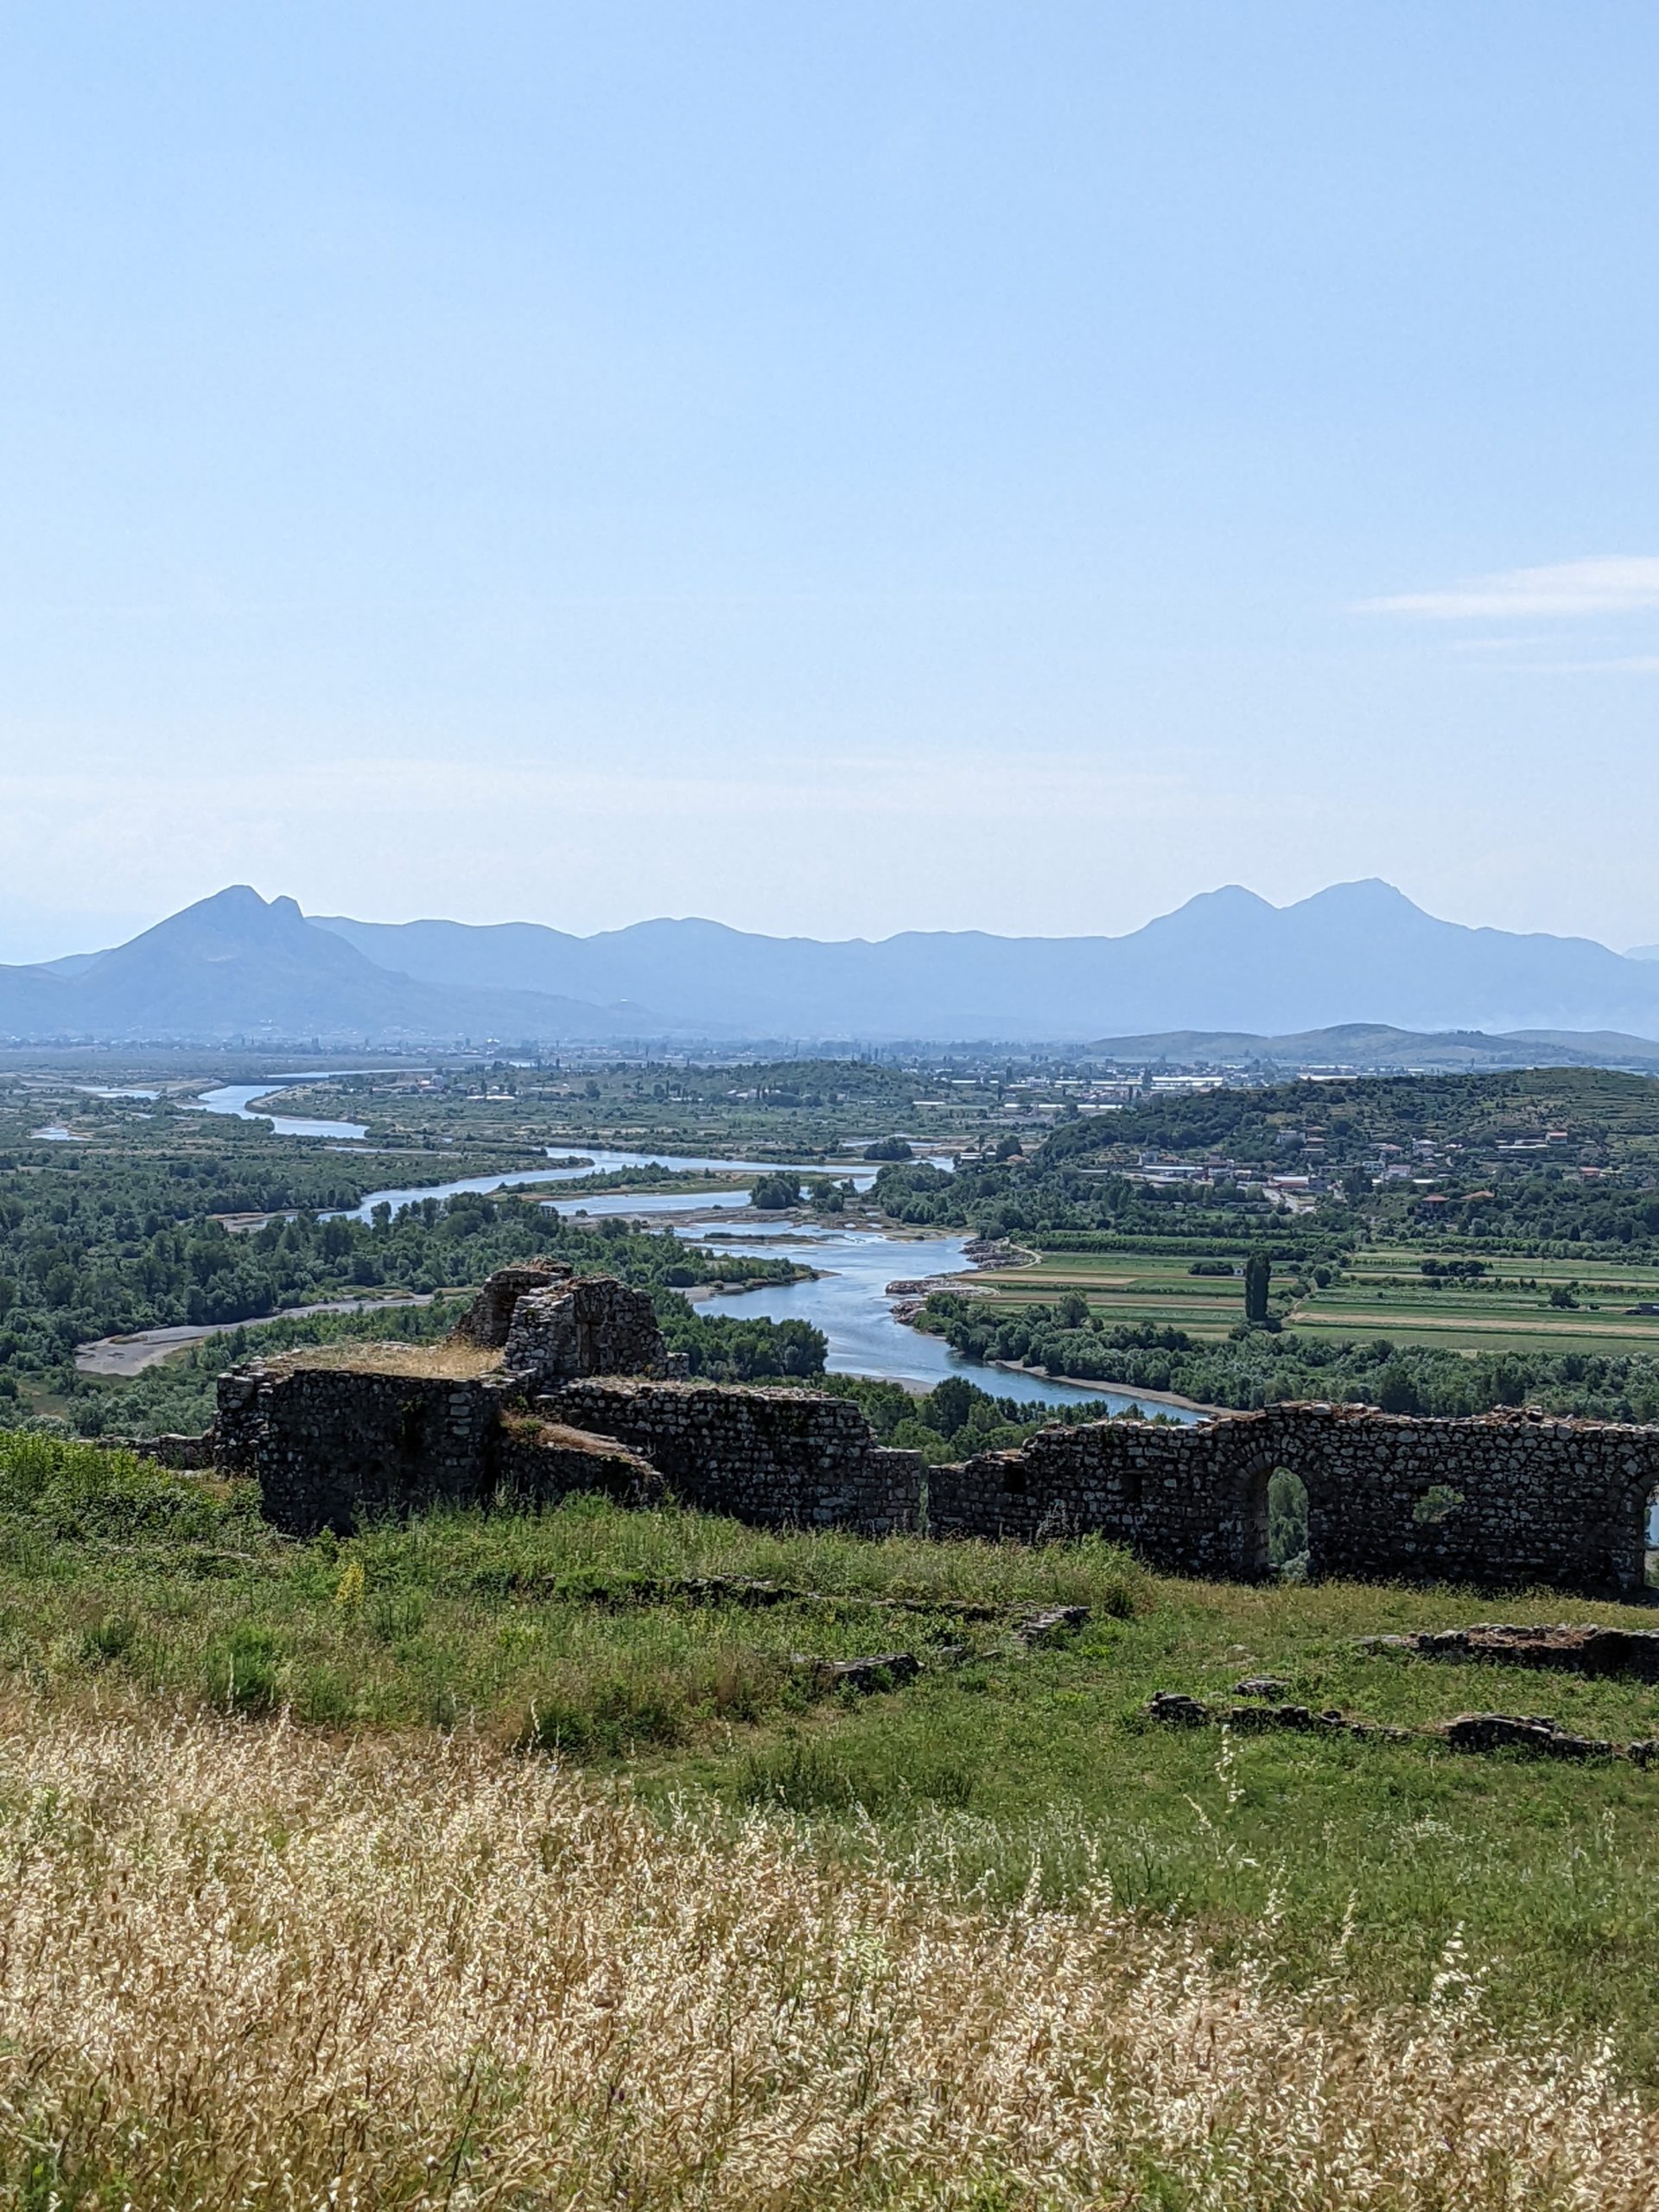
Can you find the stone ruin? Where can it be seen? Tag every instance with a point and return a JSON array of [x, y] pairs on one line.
[[551, 1325], [553, 1384]]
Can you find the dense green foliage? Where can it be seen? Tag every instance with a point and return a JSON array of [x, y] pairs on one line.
[[1550, 1160], [953, 1419], [775, 1193], [1260, 1367], [82, 1262], [1544, 1160]]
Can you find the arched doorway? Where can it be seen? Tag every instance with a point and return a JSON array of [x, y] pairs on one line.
[[1276, 1524], [1287, 1525]]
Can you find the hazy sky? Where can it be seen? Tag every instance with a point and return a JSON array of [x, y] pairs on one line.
[[834, 469]]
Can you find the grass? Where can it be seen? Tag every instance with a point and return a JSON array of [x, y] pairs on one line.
[[1000, 1775], [452, 1362], [255, 1967]]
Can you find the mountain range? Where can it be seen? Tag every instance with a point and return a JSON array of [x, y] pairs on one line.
[[236, 968]]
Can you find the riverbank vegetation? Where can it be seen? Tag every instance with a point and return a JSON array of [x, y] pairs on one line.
[[78, 1261], [1256, 1368], [1453, 1242]]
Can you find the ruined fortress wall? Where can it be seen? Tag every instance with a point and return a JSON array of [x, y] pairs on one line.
[[488, 1318], [594, 1326], [332, 1446], [538, 1463], [769, 1457], [1505, 1499], [1168, 1492]]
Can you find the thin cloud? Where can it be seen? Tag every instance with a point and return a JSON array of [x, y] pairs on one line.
[[1615, 584]]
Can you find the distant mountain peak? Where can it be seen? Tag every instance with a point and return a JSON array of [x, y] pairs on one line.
[[1370, 892], [1228, 962]]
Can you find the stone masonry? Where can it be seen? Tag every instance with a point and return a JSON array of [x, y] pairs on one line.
[[579, 1401], [594, 1327], [488, 1318], [774, 1457]]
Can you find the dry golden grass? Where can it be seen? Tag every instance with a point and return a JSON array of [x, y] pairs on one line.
[[453, 1361], [242, 1965]]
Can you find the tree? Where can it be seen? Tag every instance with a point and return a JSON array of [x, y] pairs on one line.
[[774, 1192], [888, 1148], [1258, 1273]]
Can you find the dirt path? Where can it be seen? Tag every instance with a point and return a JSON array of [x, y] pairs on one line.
[[125, 1356]]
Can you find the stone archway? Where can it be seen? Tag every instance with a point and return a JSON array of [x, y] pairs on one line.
[[1287, 1520], [1275, 1521]]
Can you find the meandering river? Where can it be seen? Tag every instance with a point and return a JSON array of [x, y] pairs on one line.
[[237, 1098], [847, 1298]]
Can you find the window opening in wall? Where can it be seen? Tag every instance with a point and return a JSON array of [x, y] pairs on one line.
[[1287, 1525], [1650, 1533], [1013, 1482], [1436, 1506]]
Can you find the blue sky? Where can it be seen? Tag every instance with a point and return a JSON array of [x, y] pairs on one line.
[[834, 469]]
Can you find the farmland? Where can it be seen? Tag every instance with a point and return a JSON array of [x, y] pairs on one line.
[[1378, 1291]]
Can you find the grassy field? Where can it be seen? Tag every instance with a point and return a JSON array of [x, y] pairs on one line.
[[1381, 1291], [1000, 1773], [253, 1966]]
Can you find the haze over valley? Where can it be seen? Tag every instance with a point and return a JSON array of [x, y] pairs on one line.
[[1226, 973]]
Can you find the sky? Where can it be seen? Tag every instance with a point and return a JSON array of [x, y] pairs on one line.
[[835, 470]]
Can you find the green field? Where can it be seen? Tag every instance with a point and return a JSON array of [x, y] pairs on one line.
[[1381, 1291]]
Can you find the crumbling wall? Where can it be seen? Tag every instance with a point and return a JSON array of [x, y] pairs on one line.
[[593, 1326], [488, 1320], [766, 1456], [538, 1462], [334, 1446], [1507, 1498], [1168, 1492]]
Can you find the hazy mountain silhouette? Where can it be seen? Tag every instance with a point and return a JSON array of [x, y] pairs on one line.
[[1375, 1047], [238, 967], [235, 966], [1225, 961]]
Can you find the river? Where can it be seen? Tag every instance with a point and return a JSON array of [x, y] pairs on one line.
[[849, 1302], [847, 1298], [237, 1098]]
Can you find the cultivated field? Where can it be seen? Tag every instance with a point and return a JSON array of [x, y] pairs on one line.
[[1380, 1291]]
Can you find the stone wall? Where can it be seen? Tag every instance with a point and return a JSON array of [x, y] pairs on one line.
[[594, 1326], [775, 1458], [1508, 1499], [188, 1454], [333, 1447], [539, 1462], [488, 1318]]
